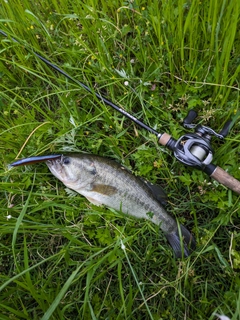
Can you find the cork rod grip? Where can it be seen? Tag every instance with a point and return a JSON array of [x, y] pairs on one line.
[[226, 179], [165, 137]]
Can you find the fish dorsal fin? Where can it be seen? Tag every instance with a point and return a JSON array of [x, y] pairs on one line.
[[157, 191]]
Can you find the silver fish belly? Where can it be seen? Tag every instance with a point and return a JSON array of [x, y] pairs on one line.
[[105, 182]]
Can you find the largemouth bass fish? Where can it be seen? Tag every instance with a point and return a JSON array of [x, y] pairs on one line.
[[105, 182]]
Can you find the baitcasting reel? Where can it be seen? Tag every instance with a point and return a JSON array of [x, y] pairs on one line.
[[194, 149]]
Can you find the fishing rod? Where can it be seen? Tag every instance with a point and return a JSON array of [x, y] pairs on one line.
[[191, 149]]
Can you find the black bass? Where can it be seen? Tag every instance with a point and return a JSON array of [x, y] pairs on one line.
[[105, 182]]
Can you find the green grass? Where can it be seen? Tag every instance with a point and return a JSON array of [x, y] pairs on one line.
[[60, 256]]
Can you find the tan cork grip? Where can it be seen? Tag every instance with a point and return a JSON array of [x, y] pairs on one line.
[[226, 179], [165, 137]]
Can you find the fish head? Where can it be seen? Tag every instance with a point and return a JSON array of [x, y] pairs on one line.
[[74, 171]]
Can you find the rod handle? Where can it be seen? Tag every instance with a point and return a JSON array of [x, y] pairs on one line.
[[164, 139], [226, 179]]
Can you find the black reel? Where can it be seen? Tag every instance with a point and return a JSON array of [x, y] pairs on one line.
[[194, 149]]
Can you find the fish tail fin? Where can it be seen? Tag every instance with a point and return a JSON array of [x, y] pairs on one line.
[[182, 242]]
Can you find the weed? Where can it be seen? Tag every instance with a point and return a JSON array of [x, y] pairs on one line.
[[62, 258]]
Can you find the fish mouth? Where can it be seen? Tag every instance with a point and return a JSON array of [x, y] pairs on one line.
[[58, 161], [55, 163], [57, 168]]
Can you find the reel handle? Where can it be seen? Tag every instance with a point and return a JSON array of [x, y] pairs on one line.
[[192, 114], [213, 171], [225, 130]]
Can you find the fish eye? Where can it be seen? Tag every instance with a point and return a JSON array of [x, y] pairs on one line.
[[66, 161]]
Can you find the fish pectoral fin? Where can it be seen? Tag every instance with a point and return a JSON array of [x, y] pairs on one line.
[[104, 189], [97, 191], [94, 201]]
